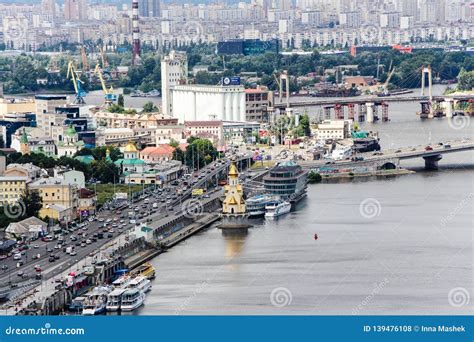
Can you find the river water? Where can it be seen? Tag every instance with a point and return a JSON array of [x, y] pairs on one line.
[[399, 245]]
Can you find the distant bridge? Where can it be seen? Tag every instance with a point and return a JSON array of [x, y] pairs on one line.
[[369, 99], [391, 158]]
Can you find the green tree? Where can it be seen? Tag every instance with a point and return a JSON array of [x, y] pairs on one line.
[[121, 101], [466, 80], [149, 107], [314, 177]]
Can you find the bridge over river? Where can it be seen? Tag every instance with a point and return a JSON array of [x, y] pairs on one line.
[[390, 159]]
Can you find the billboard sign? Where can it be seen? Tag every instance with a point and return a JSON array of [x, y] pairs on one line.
[[228, 81]]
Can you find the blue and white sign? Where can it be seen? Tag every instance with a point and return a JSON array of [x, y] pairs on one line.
[[228, 81]]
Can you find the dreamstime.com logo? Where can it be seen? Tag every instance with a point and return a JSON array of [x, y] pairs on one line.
[[281, 297], [459, 122], [46, 330], [370, 208], [14, 210], [459, 297]]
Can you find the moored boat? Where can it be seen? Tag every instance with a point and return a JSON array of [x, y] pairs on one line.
[[132, 299], [96, 301], [141, 283], [114, 299], [256, 204], [145, 270], [277, 209]]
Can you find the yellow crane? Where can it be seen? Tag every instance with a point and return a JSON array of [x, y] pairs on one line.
[[109, 95], [76, 81]]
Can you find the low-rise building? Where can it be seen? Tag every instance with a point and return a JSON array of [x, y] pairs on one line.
[[334, 129], [28, 170], [57, 194], [87, 202], [12, 188], [29, 227], [211, 130]]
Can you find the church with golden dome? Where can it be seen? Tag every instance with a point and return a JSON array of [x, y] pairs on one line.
[[130, 163], [234, 203]]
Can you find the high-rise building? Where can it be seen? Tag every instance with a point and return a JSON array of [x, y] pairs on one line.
[[48, 7], [409, 8], [149, 8], [174, 71], [75, 10]]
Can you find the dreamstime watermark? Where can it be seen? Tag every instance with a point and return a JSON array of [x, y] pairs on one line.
[[459, 297], [370, 208], [375, 291], [192, 208], [193, 30], [14, 210], [281, 297], [46, 330], [370, 33], [459, 122], [460, 206], [15, 29], [188, 300]]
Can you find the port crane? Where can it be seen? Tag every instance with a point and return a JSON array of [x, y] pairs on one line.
[[74, 77], [109, 95]]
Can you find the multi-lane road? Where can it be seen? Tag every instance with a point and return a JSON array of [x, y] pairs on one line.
[[153, 204]]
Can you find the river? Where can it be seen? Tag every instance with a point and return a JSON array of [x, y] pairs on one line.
[[399, 245]]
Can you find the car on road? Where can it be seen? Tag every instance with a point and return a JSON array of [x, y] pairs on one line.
[[20, 274], [73, 252], [447, 146], [17, 256], [4, 267], [37, 268], [83, 244], [36, 246], [88, 241], [52, 258], [428, 148]]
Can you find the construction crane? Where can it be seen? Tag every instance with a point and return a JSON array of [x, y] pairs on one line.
[[384, 89], [74, 77], [109, 95], [85, 63], [103, 58]]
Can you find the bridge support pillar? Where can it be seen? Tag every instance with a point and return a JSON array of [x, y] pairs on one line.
[[370, 112], [361, 113], [448, 107], [431, 162], [351, 109], [327, 112], [385, 112]]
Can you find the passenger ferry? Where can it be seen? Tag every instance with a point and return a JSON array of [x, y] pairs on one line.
[[141, 283], [277, 209], [96, 301], [145, 270], [256, 204], [122, 281], [132, 299], [114, 299]]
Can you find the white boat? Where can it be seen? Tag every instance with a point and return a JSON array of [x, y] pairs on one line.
[[114, 299], [122, 282], [256, 204], [96, 301], [141, 283], [277, 209], [132, 299]]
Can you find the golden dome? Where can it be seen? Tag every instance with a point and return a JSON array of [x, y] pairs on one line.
[[130, 147], [233, 172]]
